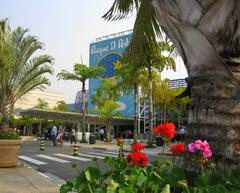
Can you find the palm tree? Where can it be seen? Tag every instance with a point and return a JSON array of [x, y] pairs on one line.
[[151, 61], [106, 105], [82, 73], [209, 43], [21, 72]]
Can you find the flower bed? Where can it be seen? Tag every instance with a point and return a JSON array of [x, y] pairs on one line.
[[134, 174]]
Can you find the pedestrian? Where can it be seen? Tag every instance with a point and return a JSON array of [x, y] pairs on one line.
[[182, 133], [101, 132], [60, 135], [73, 134], [54, 133]]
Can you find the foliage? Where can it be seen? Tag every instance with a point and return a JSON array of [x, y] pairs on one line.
[[21, 71], [10, 135], [42, 104], [61, 106], [104, 99], [135, 176], [82, 73]]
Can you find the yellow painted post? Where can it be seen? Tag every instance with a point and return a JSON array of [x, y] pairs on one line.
[[42, 146], [75, 150]]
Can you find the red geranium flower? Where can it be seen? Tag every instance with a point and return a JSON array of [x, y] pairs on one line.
[[137, 158], [178, 149], [137, 147], [166, 129]]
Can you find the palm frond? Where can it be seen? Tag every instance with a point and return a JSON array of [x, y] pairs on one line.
[[121, 9]]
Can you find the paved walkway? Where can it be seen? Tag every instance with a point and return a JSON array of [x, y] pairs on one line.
[[23, 179]]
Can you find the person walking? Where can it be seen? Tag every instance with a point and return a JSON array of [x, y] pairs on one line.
[[182, 133], [54, 133], [60, 135], [101, 132], [73, 134]]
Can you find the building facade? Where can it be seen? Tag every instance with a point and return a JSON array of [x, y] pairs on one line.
[[30, 100]]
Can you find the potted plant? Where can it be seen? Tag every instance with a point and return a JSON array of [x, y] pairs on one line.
[[10, 142]]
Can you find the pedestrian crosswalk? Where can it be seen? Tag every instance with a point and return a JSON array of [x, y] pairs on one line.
[[42, 159]]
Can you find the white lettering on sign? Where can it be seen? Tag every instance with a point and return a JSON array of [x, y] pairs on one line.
[[120, 44], [123, 43]]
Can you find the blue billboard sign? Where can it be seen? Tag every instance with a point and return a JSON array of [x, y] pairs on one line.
[[107, 53]]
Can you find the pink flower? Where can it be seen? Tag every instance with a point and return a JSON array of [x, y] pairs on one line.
[[198, 144], [191, 147], [207, 153], [204, 146]]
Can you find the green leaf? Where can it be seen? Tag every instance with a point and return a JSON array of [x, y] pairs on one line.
[[112, 187], [140, 180], [65, 188], [166, 189], [88, 176], [209, 179]]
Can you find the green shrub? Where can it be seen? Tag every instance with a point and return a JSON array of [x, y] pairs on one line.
[[10, 135]]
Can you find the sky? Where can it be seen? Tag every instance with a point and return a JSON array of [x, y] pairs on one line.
[[67, 27]]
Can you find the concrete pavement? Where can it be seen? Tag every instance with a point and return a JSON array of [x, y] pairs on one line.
[[23, 179]]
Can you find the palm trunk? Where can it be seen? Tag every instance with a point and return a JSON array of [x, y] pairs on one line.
[[108, 134], [5, 122], [215, 116], [84, 140], [150, 142], [135, 132]]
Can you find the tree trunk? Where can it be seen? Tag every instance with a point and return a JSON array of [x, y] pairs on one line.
[[214, 116], [84, 140], [5, 122], [150, 139], [108, 133], [135, 132]]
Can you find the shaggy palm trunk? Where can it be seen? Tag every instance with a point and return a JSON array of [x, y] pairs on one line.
[[214, 116], [84, 140], [135, 132], [5, 122], [150, 139]]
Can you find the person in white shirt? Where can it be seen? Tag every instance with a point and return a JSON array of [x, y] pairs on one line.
[[182, 133], [101, 132]]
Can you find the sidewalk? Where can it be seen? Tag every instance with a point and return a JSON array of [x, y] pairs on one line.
[[23, 179]]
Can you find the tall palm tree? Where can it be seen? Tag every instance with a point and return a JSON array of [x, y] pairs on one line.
[[129, 84], [21, 72], [152, 60], [82, 73], [209, 43]]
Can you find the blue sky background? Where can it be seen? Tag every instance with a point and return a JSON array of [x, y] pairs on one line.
[[67, 27]]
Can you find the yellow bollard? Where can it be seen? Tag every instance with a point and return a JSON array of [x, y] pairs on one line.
[[75, 150], [42, 146]]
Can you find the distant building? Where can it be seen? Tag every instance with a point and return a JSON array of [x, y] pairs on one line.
[[30, 100], [177, 83], [78, 102]]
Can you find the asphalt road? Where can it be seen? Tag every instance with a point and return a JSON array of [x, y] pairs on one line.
[[58, 161]]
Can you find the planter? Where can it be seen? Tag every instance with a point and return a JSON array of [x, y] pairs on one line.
[[9, 151]]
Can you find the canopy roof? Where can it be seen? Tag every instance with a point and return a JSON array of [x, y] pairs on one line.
[[73, 117]]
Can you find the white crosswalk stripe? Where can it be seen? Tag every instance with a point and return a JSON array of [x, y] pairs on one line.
[[72, 157], [52, 158], [34, 161], [102, 154], [86, 155]]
